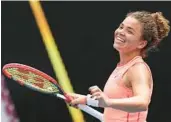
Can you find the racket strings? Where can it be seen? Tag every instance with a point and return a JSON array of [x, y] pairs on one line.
[[33, 80]]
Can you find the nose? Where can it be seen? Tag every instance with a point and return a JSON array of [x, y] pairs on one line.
[[121, 32]]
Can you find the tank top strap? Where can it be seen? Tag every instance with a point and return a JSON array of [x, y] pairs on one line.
[[135, 62]]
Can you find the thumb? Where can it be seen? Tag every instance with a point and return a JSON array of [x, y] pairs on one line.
[[74, 102]]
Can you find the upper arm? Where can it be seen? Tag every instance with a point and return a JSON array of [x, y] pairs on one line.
[[140, 79]]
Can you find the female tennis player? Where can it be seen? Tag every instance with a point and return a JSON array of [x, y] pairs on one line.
[[127, 93]]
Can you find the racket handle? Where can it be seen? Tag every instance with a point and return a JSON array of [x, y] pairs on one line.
[[91, 111]]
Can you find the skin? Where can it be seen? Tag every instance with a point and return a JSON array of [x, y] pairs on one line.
[[129, 43]]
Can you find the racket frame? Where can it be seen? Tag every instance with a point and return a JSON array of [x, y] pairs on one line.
[[61, 94]]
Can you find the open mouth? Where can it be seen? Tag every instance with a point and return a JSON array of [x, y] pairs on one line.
[[120, 39]]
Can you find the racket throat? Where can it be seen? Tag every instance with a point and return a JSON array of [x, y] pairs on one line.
[[60, 96]]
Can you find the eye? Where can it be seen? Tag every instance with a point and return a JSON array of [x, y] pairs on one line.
[[130, 32], [120, 26]]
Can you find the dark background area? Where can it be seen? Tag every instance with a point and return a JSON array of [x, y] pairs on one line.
[[84, 34]]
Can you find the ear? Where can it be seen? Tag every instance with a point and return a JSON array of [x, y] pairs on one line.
[[142, 44]]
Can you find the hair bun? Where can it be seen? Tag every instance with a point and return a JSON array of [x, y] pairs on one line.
[[162, 23]]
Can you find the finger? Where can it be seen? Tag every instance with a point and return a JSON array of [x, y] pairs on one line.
[[95, 95], [75, 106], [75, 102], [95, 90], [72, 95], [92, 87], [98, 97]]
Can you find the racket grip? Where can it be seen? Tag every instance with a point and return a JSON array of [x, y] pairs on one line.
[[91, 111]]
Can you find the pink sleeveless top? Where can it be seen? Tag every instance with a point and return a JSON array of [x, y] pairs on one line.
[[114, 88]]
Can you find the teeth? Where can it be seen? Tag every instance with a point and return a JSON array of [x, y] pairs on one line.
[[120, 39]]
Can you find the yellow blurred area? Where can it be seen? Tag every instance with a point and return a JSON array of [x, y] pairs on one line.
[[54, 56]]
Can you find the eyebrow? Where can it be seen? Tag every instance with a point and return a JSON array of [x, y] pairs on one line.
[[129, 27]]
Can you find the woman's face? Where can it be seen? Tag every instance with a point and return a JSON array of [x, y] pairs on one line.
[[127, 37]]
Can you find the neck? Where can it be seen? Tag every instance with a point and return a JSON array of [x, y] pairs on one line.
[[125, 58]]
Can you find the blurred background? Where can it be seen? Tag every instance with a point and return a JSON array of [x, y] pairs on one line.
[[83, 32]]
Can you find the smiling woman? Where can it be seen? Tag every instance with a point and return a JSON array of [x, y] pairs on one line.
[[127, 36], [149, 28], [127, 93]]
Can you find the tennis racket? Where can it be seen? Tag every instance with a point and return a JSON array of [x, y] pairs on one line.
[[41, 82]]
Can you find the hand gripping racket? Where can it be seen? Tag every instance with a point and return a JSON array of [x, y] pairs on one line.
[[41, 82]]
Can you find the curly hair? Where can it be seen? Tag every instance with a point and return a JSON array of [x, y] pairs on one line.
[[155, 28]]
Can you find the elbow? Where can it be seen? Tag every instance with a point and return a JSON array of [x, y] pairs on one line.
[[139, 108], [144, 106]]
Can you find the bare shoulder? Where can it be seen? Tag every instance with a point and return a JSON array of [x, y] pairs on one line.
[[139, 73]]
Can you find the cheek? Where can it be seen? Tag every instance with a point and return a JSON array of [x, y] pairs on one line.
[[132, 45], [131, 42], [115, 32]]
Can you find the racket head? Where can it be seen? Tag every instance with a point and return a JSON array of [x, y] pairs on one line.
[[31, 78]]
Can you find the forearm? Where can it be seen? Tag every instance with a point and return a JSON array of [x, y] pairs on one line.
[[132, 104]]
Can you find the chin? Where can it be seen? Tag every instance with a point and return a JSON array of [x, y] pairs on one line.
[[116, 46]]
